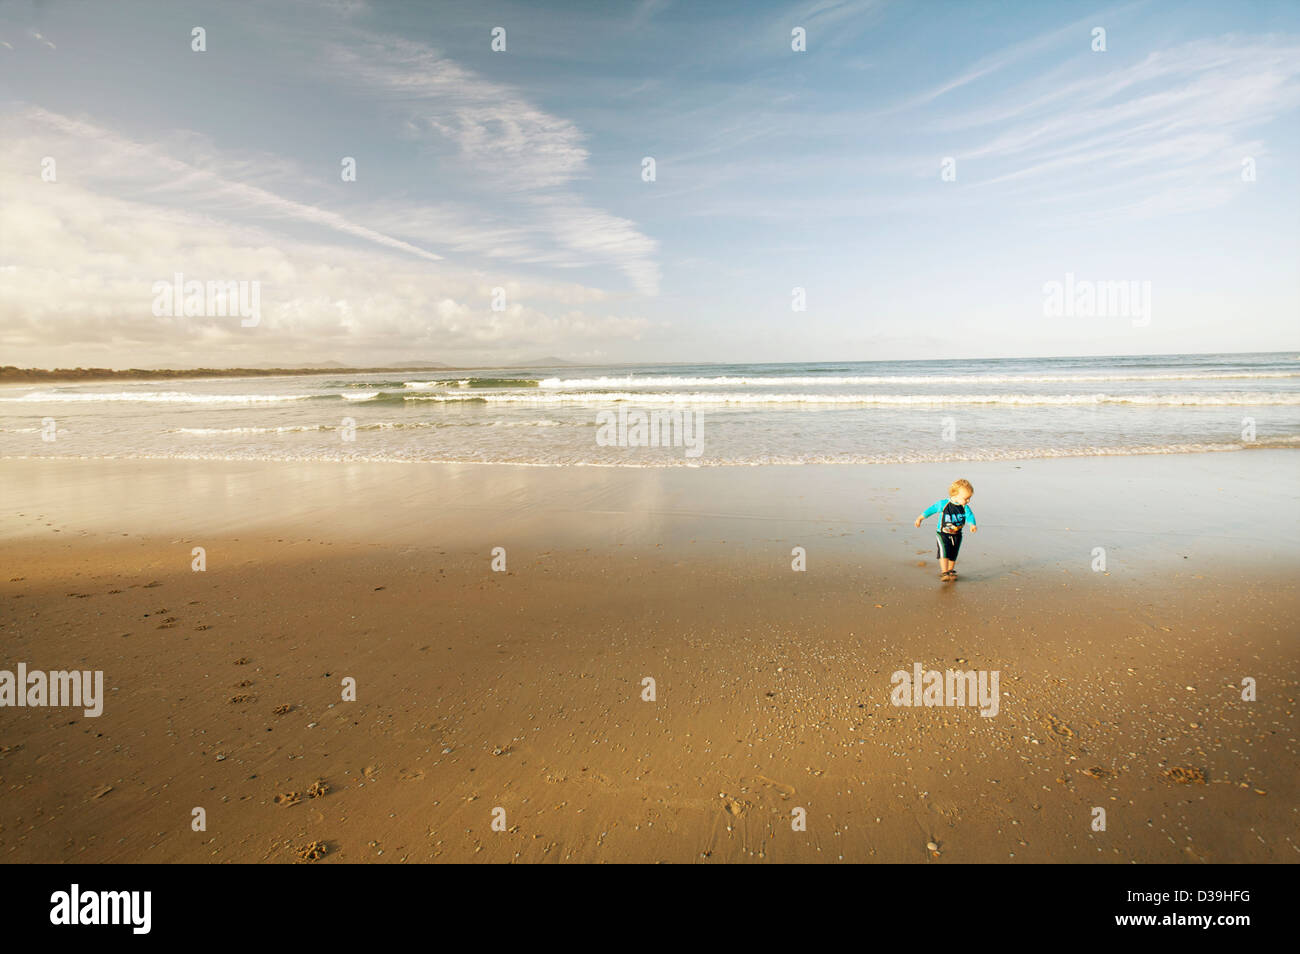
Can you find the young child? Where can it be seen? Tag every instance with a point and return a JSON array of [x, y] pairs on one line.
[[954, 514]]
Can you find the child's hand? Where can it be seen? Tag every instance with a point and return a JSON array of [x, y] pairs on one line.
[[918, 521], [973, 528]]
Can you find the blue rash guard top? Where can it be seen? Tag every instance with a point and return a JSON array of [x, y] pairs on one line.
[[950, 515]]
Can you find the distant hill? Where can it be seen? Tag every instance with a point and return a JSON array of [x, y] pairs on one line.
[[12, 375], [551, 362], [341, 366]]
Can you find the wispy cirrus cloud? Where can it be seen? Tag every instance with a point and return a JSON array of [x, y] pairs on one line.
[[497, 131], [1177, 123], [509, 147], [1041, 122], [105, 155]]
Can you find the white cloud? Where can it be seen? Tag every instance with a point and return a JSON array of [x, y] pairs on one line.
[[82, 254]]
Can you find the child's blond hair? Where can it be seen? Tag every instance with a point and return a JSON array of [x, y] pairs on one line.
[[961, 484]]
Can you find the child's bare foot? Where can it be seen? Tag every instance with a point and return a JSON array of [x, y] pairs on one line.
[[948, 575]]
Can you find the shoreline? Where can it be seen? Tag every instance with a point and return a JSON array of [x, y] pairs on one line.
[[11, 374], [1209, 505]]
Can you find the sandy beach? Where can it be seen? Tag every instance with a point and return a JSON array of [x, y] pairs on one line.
[[519, 695]]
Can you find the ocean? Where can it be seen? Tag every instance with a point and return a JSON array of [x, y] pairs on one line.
[[858, 412]]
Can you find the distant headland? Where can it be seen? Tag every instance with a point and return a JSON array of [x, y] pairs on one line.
[[14, 375]]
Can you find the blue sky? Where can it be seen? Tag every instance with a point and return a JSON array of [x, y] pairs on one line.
[[522, 170]]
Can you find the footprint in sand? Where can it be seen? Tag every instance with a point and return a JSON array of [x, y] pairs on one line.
[[779, 788], [1185, 775], [288, 798], [1058, 728], [761, 789], [313, 851]]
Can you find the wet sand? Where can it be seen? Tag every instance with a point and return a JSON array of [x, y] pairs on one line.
[[519, 694]]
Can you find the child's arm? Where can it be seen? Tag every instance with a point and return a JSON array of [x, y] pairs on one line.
[[970, 517], [930, 511]]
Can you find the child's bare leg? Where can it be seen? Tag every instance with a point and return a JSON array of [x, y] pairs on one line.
[[945, 565]]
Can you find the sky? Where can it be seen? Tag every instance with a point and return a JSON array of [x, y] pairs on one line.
[[920, 172]]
